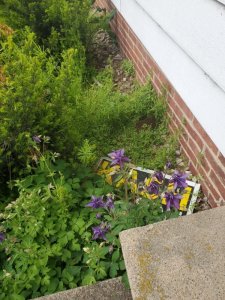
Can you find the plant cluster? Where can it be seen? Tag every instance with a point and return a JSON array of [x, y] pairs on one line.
[[37, 97], [52, 238]]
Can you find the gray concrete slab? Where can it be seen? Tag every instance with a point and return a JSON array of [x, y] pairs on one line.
[[112, 289], [177, 259]]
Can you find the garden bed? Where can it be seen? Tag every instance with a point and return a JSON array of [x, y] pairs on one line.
[[60, 221]]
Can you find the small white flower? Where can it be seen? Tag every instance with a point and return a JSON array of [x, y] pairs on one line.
[[87, 250]]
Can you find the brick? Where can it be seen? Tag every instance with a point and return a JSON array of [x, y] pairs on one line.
[[151, 62], [214, 164], [221, 159], [165, 82], [157, 82], [195, 148], [132, 36], [189, 152], [212, 202], [205, 189], [215, 195], [205, 136], [189, 115], [178, 113], [194, 135], [217, 182]]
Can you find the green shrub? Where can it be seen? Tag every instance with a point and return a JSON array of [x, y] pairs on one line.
[[59, 25], [37, 97]]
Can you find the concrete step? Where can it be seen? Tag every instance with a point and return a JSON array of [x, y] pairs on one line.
[[112, 289], [177, 259]]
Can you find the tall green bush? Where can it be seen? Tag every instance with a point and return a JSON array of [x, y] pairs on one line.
[[37, 97], [58, 24]]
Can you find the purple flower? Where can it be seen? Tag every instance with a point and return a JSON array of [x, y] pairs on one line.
[[172, 200], [96, 202], [2, 237], [153, 188], [109, 203], [118, 158], [37, 139], [158, 175], [100, 231], [98, 216], [168, 165], [179, 180]]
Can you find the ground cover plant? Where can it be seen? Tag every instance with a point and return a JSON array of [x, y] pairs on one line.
[[62, 230]]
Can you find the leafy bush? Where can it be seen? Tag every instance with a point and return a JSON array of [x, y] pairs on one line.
[[59, 25], [46, 228], [37, 97], [52, 237], [40, 97]]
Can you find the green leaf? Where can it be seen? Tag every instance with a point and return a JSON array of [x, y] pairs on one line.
[[67, 276], [75, 246], [73, 270], [66, 254], [70, 235], [53, 285], [16, 297], [122, 265], [117, 229], [88, 279], [116, 255], [113, 270], [125, 280]]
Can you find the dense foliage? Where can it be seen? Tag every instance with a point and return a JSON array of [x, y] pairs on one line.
[[50, 237], [38, 96], [59, 25], [47, 243]]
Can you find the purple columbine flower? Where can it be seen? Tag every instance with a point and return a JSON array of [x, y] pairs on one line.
[[118, 158], [153, 188], [159, 176], [37, 139], [96, 202], [2, 237], [179, 180], [100, 231], [98, 216], [168, 165], [172, 200], [109, 203]]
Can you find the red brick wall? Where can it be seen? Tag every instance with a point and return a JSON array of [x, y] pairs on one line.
[[204, 157]]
